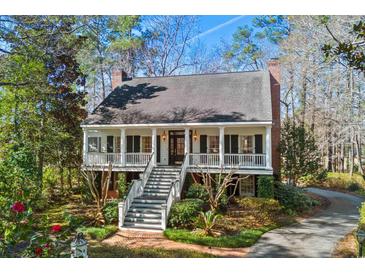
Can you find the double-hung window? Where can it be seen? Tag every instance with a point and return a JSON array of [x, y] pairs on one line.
[[247, 144], [146, 144], [213, 144], [94, 144]]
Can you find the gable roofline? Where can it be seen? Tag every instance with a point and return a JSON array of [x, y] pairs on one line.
[[192, 75], [212, 124]]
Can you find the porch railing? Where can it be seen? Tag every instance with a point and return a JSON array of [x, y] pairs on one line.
[[137, 159], [132, 159], [245, 160], [103, 158], [204, 159]]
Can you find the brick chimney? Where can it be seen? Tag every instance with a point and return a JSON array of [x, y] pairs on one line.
[[273, 66], [118, 76]]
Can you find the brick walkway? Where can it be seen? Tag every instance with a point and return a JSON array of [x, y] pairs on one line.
[[138, 239]]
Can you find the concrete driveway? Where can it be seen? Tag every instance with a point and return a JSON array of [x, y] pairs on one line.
[[313, 237]]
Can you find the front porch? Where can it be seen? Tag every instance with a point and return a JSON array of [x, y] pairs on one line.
[[242, 148]]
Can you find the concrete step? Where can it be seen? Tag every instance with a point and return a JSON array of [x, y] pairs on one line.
[[154, 194], [147, 192], [143, 220], [144, 215], [142, 225], [161, 178], [149, 200], [155, 190], [144, 210], [146, 206], [158, 186]]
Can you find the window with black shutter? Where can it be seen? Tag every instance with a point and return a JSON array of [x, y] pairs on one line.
[[136, 143], [158, 148], [258, 144], [234, 144], [227, 143], [110, 144], [203, 143]]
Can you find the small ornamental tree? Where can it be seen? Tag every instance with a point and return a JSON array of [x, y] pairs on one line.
[[299, 152], [216, 186]]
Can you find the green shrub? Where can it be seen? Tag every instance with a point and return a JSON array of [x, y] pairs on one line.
[[343, 180], [353, 187], [258, 204], [197, 191], [244, 238], [292, 198], [122, 186], [99, 233], [110, 212], [265, 187], [183, 214], [362, 216]]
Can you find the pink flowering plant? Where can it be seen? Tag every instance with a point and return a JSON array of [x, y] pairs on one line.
[[21, 236]]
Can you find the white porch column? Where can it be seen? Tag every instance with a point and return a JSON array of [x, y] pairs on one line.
[[187, 142], [154, 146], [123, 145], [221, 146], [84, 148], [268, 147]]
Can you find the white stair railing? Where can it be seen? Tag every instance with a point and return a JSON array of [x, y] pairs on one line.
[[135, 191], [175, 192]]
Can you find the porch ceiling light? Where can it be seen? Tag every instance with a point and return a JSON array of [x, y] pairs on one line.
[[164, 136], [195, 136]]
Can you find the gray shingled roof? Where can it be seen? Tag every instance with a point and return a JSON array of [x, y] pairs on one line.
[[221, 97]]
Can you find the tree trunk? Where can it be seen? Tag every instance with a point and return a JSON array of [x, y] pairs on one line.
[[351, 159], [358, 152], [61, 179], [69, 178]]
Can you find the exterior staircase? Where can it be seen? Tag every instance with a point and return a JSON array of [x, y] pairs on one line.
[[145, 211]]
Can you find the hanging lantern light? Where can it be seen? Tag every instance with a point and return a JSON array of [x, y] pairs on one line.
[[79, 246], [164, 136], [195, 136]]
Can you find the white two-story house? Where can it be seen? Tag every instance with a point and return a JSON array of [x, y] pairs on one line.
[[157, 130]]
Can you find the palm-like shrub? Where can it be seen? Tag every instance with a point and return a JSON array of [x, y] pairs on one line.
[[209, 219]]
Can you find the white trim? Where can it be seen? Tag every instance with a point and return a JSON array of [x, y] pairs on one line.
[[172, 125]]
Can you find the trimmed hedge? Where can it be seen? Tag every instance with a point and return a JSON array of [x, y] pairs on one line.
[[293, 198], [110, 212], [183, 214], [362, 217], [197, 191], [265, 187]]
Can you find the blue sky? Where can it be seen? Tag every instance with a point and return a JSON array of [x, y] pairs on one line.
[[215, 28]]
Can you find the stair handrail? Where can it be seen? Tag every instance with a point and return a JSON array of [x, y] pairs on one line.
[[147, 170], [135, 191], [174, 193]]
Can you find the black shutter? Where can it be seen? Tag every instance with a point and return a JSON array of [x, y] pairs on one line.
[[99, 144], [110, 144], [129, 144], [203, 143], [258, 143], [234, 143], [158, 148], [137, 143], [227, 144]]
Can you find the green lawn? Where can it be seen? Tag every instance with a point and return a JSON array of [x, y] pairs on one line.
[[106, 251], [98, 233], [244, 238]]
